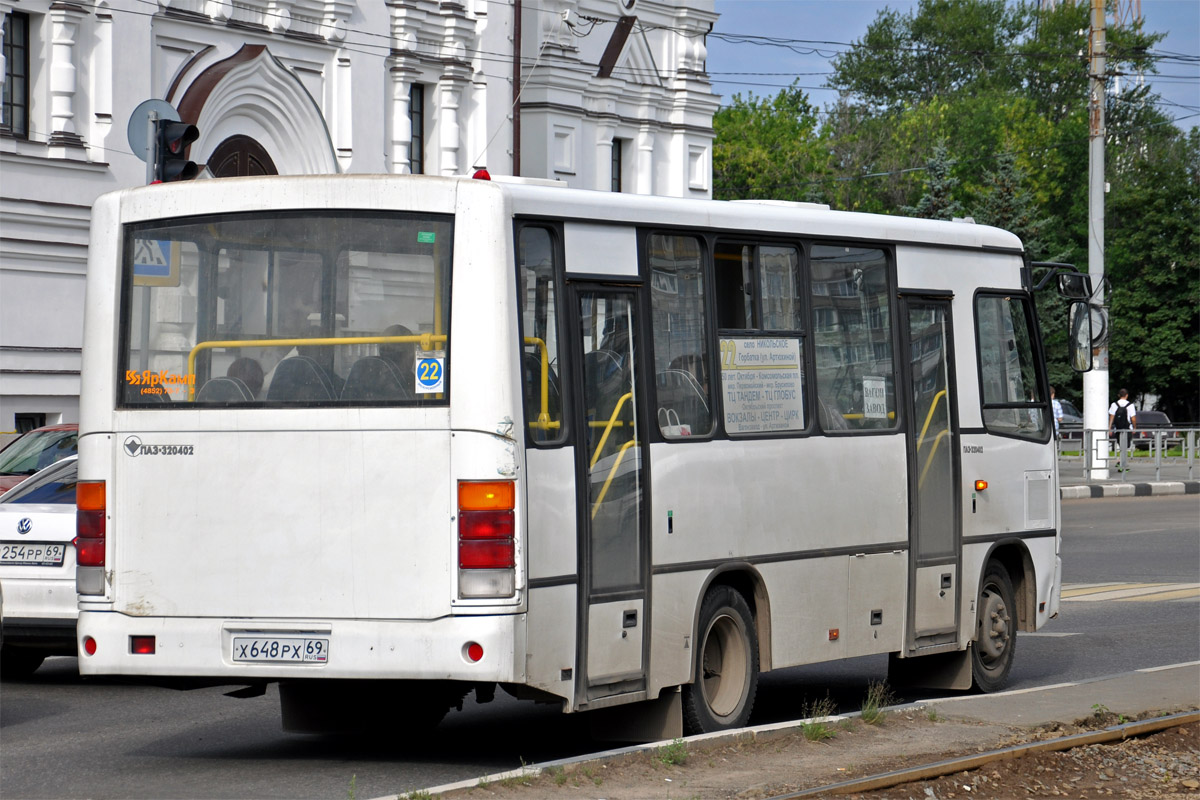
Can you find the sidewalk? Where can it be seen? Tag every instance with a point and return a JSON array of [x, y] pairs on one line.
[[753, 759], [1157, 689], [1141, 480]]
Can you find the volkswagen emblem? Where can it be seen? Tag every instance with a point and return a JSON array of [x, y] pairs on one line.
[[25, 525]]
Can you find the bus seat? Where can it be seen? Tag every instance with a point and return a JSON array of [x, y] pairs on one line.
[[299, 378], [374, 378], [679, 391], [224, 390]]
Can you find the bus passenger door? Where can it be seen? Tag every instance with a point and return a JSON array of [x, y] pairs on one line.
[[611, 492], [933, 463]]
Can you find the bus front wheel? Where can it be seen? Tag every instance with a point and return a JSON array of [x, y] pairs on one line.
[[995, 630], [726, 666]]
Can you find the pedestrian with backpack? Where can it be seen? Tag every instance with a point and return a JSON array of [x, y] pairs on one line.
[[1122, 418]]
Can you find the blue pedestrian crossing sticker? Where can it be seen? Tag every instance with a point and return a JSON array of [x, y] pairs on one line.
[[431, 374]]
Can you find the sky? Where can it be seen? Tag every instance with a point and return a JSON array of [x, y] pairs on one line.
[[831, 25]]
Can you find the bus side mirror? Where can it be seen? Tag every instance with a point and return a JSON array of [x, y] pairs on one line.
[[1080, 341], [1075, 286]]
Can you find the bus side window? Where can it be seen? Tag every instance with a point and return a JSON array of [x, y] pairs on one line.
[[681, 341], [538, 302], [759, 314], [852, 337], [1012, 394]]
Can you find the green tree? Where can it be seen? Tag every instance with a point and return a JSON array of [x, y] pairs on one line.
[[938, 200], [941, 48], [768, 148], [1152, 262]]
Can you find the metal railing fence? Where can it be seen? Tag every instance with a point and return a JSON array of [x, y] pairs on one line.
[[1138, 451]]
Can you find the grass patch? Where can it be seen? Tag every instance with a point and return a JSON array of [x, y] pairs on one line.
[[589, 772], [419, 794], [674, 754], [520, 779], [932, 715], [879, 696], [817, 728]]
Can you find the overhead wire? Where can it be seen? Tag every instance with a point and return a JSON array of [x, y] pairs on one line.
[[365, 42]]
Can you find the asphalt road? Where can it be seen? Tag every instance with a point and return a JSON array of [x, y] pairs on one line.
[[63, 737]]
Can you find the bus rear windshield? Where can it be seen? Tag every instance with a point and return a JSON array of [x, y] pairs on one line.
[[285, 309]]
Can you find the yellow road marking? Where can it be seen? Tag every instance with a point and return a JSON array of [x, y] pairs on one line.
[[1142, 592], [1178, 594], [1104, 587]]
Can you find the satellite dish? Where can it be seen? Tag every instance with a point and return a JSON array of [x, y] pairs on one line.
[[136, 131]]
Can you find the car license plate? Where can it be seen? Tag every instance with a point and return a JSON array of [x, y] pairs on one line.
[[281, 649], [32, 554]]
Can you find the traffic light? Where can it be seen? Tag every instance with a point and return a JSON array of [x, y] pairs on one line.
[[170, 160]]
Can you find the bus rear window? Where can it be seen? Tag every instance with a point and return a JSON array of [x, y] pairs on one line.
[[335, 307]]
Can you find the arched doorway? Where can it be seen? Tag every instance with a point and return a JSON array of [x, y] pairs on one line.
[[240, 156]]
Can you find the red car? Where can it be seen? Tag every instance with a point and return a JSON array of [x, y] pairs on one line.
[[34, 450]]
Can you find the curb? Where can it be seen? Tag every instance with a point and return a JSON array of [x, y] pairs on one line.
[[768, 732], [758, 733], [1150, 489]]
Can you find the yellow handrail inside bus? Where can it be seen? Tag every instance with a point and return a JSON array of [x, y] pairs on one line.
[[937, 398], [937, 442], [543, 420], [426, 340], [612, 421], [612, 473]]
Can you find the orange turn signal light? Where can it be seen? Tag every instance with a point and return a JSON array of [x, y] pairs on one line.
[[486, 495], [980, 485], [89, 495]]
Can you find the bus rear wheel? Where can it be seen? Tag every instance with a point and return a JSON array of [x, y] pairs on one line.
[[726, 667], [995, 630]]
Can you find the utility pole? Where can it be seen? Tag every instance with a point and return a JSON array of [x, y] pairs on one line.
[[1095, 383]]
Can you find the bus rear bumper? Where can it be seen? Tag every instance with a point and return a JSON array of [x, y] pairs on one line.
[[438, 649]]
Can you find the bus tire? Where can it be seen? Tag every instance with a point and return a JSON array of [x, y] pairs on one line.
[[19, 662], [726, 665], [995, 642]]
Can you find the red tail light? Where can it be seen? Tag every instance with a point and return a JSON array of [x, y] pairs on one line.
[[486, 554], [142, 645], [485, 524], [486, 538], [89, 523]]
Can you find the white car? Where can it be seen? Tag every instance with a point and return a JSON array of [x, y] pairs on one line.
[[37, 569]]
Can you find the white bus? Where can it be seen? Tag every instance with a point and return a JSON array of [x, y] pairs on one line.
[[393, 439]]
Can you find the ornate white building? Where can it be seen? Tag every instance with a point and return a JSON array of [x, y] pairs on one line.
[[612, 95]]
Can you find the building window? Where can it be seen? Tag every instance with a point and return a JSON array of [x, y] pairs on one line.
[[28, 421], [416, 118], [618, 150], [14, 118]]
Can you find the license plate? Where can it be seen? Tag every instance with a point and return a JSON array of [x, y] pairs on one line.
[[32, 554], [281, 649]]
